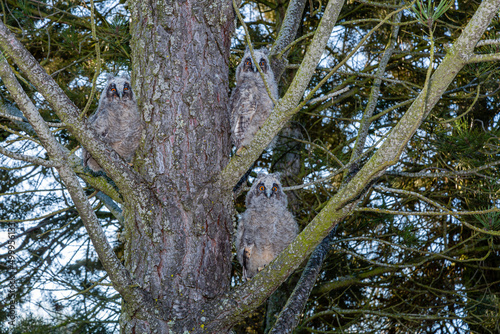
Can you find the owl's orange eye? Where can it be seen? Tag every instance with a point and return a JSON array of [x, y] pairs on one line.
[[126, 88], [262, 188], [275, 188], [113, 89], [248, 62]]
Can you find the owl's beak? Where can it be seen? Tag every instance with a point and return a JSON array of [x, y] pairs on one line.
[[120, 94], [268, 193]]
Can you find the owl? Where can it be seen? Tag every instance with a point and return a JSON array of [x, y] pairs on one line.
[[250, 103], [266, 227], [117, 120]]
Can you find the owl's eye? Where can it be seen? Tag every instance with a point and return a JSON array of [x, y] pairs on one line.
[[113, 89], [125, 88], [275, 188], [262, 188], [248, 62]]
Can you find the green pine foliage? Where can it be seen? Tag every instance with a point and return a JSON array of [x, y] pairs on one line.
[[390, 269]]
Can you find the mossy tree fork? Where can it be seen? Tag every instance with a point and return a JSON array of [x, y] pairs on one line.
[[177, 199]]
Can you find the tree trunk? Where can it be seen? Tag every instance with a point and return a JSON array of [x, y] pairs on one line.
[[178, 206], [178, 240]]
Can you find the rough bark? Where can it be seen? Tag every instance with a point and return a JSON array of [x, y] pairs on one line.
[[178, 244], [288, 105], [291, 313], [287, 33], [177, 207], [241, 300], [120, 277]]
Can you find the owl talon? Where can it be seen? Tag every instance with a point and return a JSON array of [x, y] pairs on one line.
[[238, 151], [247, 253], [266, 227]]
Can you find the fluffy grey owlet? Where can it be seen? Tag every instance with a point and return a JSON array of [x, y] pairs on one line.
[[266, 227], [250, 103], [117, 120]]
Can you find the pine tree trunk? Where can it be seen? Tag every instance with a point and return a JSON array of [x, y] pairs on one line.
[[178, 240]]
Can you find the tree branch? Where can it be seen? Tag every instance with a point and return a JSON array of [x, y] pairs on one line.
[[484, 58], [375, 91], [97, 182], [116, 168], [289, 316], [286, 106], [10, 112], [234, 305], [119, 276], [27, 158], [115, 210], [286, 36], [346, 281], [455, 173]]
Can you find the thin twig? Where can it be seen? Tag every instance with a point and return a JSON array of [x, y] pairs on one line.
[[444, 174], [250, 47], [98, 55], [328, 96], [28, 158]]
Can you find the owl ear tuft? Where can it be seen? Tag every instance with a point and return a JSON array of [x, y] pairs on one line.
[[264, 50], [126, 76], [109, 76], [277, 175]]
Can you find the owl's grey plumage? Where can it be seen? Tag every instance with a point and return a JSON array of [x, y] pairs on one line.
[[117, 120], [266, 227], [250, 103]]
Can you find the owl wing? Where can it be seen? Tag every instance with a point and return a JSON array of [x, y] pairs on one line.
[[99, 121], [247, 254], [243, 110], [242, 123], [244, 245], [285, 230], [128, 133]]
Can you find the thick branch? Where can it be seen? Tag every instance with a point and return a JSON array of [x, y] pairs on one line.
[[243, 299], [484, 58], [116, 168], [287, 34], [115, 210], [286, 107], [27, 158], [234, 306], [289, 316], [375, 92], [119, 276], [101, 183]]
